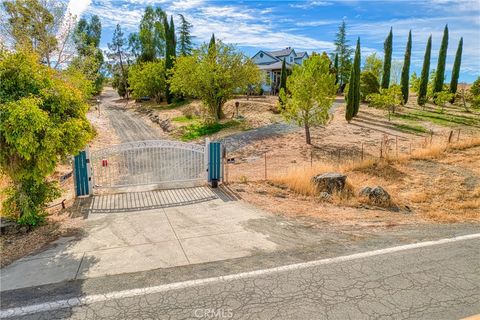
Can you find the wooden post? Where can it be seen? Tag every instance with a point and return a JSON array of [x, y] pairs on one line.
[[381, 149], [410, 147], [450, 136], [431, 136], [265, 165], [362, 151], [458, 136]]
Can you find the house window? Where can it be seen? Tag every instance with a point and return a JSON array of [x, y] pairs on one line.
[[261, 54], [291, 59]]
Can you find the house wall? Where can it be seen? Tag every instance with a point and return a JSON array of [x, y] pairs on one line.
[[265, 59]]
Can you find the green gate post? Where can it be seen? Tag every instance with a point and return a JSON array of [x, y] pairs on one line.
[[215, 173], [82, 178]]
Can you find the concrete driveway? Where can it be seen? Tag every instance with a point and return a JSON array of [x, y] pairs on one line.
[[187, 226]]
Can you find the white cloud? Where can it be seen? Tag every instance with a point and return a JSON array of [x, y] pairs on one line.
[[77, 7], [309, 4]]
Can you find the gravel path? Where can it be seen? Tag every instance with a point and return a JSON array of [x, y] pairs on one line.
[[128, 125]]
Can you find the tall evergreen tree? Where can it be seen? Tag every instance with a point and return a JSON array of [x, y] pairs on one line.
[[356, 83], [387, 61], [344, 52], [456, 68], [442, 56], [353, 99], [118, 54], [422, 90], [212, 46], [406, 68], [350, 109], [170, 51], [335, 66], [185, 44], [283, 77]]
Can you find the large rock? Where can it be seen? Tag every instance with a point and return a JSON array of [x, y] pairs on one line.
[[329, 182], [377, 195]]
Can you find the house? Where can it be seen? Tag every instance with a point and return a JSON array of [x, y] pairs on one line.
[[271, 63]]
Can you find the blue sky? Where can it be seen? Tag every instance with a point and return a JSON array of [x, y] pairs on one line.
[[311, 25]]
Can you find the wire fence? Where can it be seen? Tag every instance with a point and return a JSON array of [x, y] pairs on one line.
[[263, 165]]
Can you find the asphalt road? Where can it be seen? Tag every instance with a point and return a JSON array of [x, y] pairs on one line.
[[439, 280]]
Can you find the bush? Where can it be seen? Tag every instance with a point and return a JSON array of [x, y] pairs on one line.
[[442, 97], [148, 80], [387, 99], [368, 84], [475, 88], [43, 120]]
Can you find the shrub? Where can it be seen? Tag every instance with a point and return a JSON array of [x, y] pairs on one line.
[[387, 99], [43, 120], [442, 97], [148, 80], [368, 84]]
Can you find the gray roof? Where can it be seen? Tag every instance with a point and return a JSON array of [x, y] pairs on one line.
[[281, 53], [300, 54]]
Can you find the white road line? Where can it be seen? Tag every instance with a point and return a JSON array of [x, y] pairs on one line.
[[85, 300]]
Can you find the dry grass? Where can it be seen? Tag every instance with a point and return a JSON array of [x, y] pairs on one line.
[[432, 181]]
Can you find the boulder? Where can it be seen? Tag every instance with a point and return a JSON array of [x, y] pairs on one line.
[[378, 195], [329, 182]]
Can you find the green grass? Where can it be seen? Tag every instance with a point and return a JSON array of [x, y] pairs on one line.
[[185, 119], [197, 130], [437, 117], [415, 128]]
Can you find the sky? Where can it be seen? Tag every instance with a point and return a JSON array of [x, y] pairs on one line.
[[311, 25]]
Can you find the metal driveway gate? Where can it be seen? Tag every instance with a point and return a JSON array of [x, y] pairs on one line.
[[147, 163]]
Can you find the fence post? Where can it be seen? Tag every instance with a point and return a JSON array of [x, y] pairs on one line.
[[381, 149], [450, 136], [362, 151], [396, 147], [82, 173], [458, 136]]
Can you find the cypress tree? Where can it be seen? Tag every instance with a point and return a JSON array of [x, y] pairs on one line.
[[283, 77], [356, 84], [387, 61], [456, 68], [406, 68], [422, 91], [170, 51], [350, 109], [335, 65], [442, 56], [211, 45], [185, 39]]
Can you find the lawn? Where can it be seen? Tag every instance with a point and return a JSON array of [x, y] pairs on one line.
[[196, 130]]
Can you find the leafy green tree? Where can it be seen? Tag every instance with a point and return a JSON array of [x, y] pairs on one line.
[[456, 68], [43, 120], [368, 84], [148, 79], [374, 65], [170, 52], [41, 26], [185, 43], [90, 58], [422, 90], [353, 101], [344, 53], [283, 78], [87, 34], [119, 57], [441, 98], [442, 56], [387, 61], [213, 73], [149, 43], [414, 82], [387, 99], [311, 92], [406, 68], [475, 92]]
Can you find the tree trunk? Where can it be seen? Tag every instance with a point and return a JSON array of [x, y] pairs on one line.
[[307, 134]]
